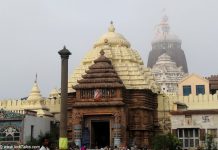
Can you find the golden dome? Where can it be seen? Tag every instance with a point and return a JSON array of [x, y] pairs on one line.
[[112, 38], [126, 61]]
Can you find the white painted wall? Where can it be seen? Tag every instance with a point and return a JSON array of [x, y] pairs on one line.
[[41, 125], [179, 121], [197, 121]]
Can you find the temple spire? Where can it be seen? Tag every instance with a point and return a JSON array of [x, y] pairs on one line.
[[35, 79], [35, 92], [111, 27]]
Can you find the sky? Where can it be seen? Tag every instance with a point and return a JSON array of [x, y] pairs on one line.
[[33, 31]]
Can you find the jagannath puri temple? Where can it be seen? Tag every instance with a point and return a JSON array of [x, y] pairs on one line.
[[112, 96], [165, 41]]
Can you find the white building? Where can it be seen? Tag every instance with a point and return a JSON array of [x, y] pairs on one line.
[[193, 126], [18, 128]]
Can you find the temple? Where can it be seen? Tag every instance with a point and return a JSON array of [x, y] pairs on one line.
[[113, 98]]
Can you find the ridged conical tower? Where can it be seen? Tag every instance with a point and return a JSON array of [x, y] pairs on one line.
[[165, 41], [126, 61]]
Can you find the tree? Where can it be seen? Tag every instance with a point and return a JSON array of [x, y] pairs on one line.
[[210, 144], [52, 136], [166, 142]]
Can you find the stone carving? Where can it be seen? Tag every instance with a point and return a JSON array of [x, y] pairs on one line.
[[77, 117], [10, 131], [117, 116]]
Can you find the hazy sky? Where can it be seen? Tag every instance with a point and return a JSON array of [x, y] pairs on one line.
[[33, 31]]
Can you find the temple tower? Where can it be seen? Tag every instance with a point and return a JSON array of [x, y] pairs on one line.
[[165, 41]]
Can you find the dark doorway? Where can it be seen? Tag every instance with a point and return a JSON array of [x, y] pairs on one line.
[[100, 134]]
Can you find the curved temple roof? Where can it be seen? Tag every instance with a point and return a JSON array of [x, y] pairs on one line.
[[126, 61]]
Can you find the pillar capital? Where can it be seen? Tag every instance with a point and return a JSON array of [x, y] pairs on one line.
[[64, 53]]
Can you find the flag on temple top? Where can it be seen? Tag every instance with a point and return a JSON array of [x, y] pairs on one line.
[[97, 94]]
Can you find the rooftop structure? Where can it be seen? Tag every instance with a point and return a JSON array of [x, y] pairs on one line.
[[213, 83]]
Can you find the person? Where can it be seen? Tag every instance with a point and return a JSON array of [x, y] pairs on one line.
[[72, 145], [115, 148], [106, 148], [83, 147], [45, 144], [77, 148], [145, 147]]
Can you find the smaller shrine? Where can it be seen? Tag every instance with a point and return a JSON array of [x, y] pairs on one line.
[[99, 105], [102, 112]]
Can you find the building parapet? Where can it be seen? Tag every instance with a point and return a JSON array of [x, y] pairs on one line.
[[207, 101], [18, 105]]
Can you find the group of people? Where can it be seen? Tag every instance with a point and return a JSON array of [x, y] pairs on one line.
[[106, 148], [46, 146]]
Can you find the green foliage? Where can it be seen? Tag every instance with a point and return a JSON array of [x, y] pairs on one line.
[[52, 137], [33, 142], [38, 142], [210, 144], [166, 142]]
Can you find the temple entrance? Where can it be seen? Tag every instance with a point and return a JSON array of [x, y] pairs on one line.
[[100, 133]]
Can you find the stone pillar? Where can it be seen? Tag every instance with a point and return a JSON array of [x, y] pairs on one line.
[[117, 129], [63, 142], [77, 128]]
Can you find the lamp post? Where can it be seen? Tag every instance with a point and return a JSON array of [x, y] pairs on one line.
[[63, 141]]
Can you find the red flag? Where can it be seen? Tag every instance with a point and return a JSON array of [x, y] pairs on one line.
[[97, 94]]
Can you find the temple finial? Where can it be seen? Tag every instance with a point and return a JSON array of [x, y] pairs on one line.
[[111, 27], [36, 78]]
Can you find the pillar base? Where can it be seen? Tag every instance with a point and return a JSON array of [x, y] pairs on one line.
[[63, 143]]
